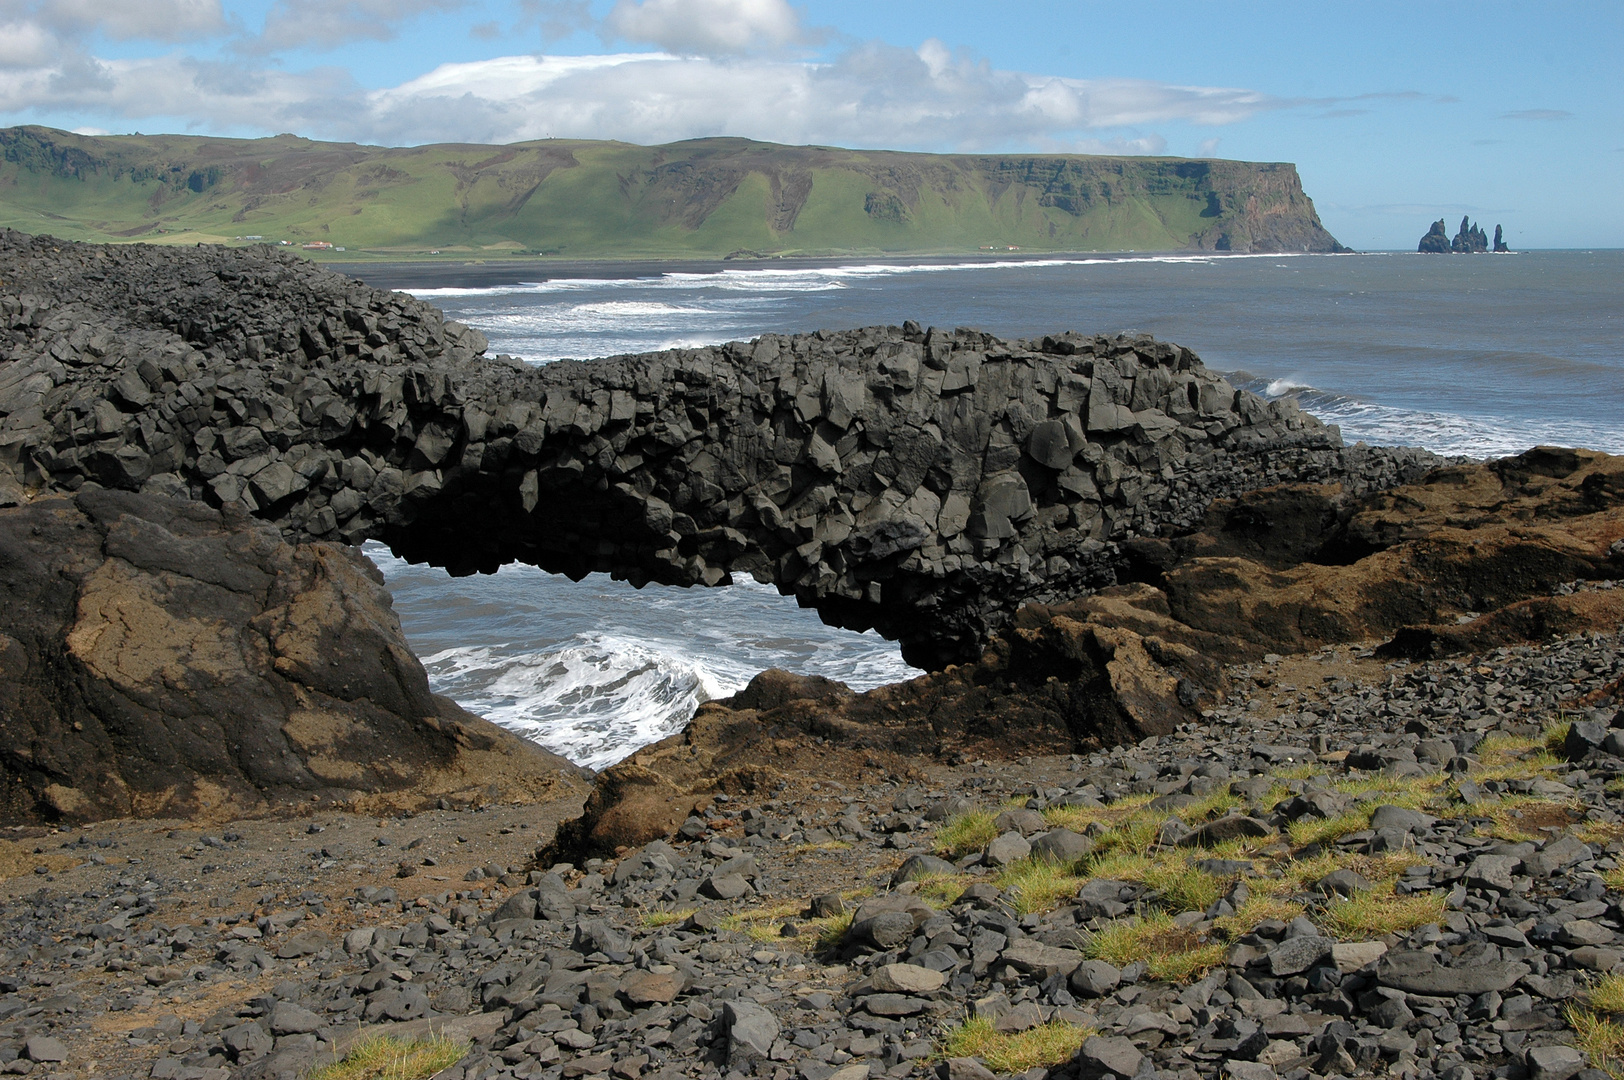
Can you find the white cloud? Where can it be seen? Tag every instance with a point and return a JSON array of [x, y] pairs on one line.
[[871, 96], [706, 27], [154, 20], [326, 24], [27, 45], [875, 96]]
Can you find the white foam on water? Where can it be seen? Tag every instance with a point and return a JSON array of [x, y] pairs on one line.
[[822, 278], [594, 670], [1447, 433], [595, 700]]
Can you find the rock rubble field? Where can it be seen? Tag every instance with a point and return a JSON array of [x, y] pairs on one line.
[[1353, 867]]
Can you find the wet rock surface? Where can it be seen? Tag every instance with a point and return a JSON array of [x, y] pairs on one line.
[[923, 482], [1478, 907]]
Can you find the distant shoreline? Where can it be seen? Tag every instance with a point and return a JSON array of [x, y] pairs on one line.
[[407, 274]]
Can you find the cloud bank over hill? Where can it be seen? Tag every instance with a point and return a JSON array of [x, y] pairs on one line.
[[723, 67]]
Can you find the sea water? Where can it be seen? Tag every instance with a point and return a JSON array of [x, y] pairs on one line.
[[1476, 355]]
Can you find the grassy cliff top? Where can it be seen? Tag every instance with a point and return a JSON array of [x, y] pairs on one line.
[[703, 198]]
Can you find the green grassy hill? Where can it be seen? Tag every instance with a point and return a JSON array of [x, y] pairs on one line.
[[581, 199]]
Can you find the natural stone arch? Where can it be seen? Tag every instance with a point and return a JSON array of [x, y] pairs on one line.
[[921, 482]]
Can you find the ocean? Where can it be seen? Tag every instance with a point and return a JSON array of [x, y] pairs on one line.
[[1473, 355]]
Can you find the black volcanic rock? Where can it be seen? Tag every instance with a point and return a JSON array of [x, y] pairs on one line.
[[1437, 239], [922, 482], [1470, 239]]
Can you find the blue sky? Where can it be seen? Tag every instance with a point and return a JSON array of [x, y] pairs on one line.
[[1395, 113]]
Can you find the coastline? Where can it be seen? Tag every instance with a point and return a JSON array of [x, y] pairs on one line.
[[429, 272]]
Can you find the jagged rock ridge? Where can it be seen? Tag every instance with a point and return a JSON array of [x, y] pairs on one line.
[[1469, 240], [926, 483]]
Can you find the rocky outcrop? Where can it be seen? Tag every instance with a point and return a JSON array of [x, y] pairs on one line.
[[1469, 240], [921, 482], [1436, 241], [1469, 559], [161, 658]]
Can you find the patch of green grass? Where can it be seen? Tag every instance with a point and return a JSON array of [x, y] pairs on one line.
[[1208, 807], [1305, 831], [666, 916], [939, 890], [1079, 818], [386, 1058], [1183, 887], [1301, 874], [1601, 1039], [1171, 953], [1510, 757], [1037, 886], [1046, 1045], [965, 834], [1374, 912], [830, 932], [1257, 908], [1607, 994]]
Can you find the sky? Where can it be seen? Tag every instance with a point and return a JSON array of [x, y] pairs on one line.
[[1396, 114]]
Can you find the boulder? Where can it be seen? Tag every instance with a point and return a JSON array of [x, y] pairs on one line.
[[168, 658], [750, 1032]]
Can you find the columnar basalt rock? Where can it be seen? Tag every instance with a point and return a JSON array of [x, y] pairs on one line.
[[922, 482]]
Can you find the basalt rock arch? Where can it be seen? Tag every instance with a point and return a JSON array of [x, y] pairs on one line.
[[921, 482]]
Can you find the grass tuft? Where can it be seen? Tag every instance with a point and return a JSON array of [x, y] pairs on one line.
[[940, 890], [666, 916], [831, 931], [1046, 1046], [1373, 913], [1600, 1038], [1306, 831], [965, 834], [1607, 995], [386, 1058], [1037, 886], [1170, 952]]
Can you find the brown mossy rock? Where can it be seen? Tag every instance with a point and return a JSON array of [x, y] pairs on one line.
[[1483, 545], [161, 657], [629, 806]]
